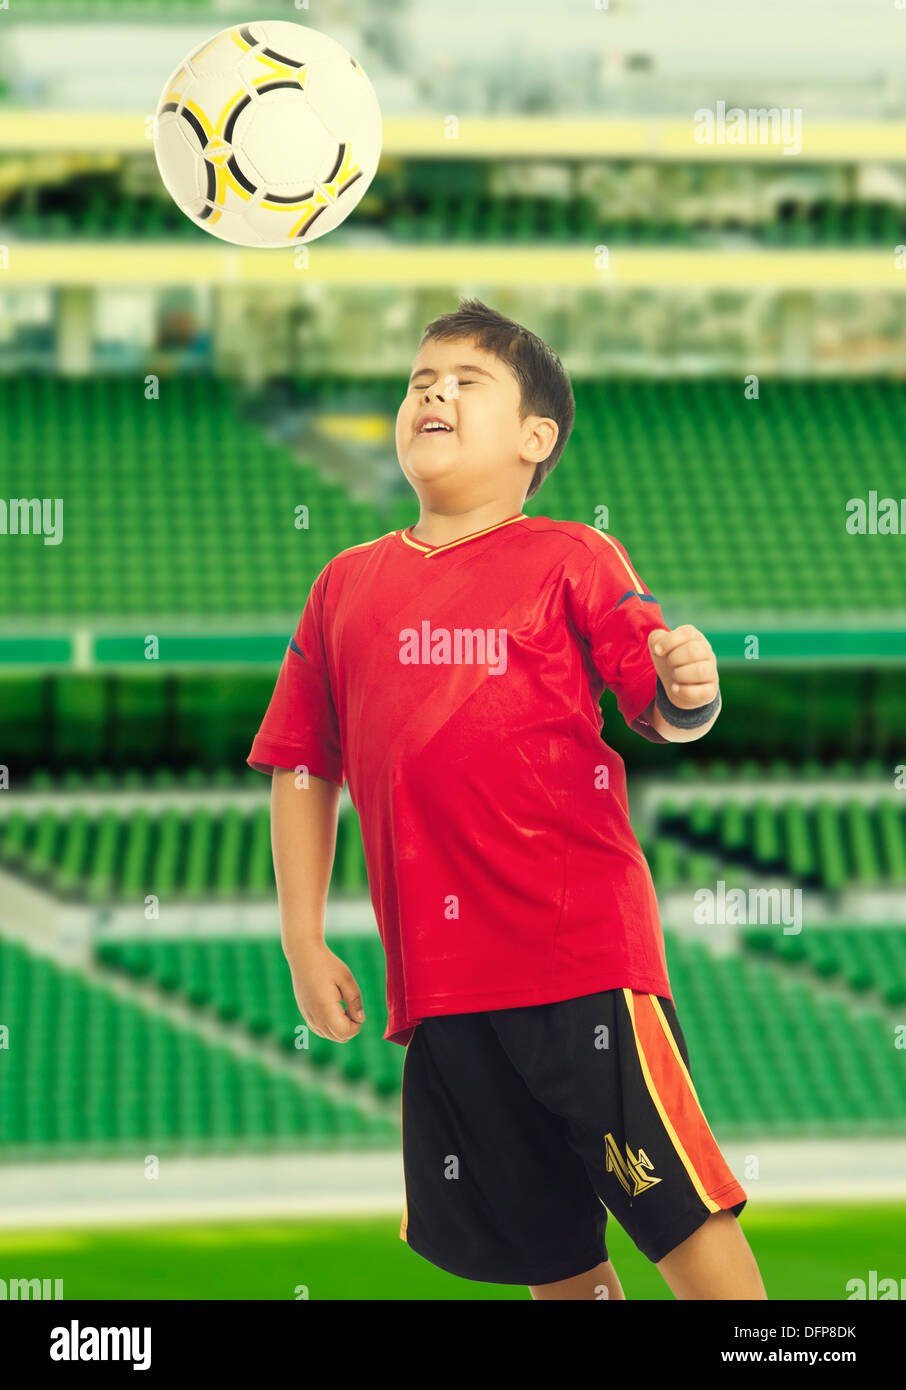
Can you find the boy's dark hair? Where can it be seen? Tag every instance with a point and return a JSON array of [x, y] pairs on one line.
[[544, 385]]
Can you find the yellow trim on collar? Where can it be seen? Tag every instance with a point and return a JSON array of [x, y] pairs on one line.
[[435, 549]]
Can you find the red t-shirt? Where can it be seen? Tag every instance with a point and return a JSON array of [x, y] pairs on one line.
[[456, 688]]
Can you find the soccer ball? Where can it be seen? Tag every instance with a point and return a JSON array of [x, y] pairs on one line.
[[268, 134]]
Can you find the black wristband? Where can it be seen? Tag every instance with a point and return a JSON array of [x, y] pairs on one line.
[[684, 718]]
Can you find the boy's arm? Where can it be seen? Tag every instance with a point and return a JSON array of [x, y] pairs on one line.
[[688, 698], [616, 622], [303, 840]]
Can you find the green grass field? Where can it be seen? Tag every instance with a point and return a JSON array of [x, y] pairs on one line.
[[804, 1252]]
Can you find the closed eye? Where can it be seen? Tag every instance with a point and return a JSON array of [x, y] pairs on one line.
[[462, 383]]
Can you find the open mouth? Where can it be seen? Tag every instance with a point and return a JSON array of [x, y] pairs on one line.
[[433, 428]]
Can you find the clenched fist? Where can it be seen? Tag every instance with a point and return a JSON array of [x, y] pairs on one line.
[[686, 665]]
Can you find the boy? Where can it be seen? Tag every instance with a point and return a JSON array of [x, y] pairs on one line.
[[452, 674]]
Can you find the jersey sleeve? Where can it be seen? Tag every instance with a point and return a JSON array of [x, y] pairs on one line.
[[614, 613], [300, 726]]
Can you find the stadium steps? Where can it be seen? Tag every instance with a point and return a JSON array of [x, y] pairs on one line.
[[218, 538], [95, 206], [772, 1053], [741, 1019], [247, 983], [91, 1072], [782, 1056], [123, 848], [675, 459], [684, 459], [825, 844], [867, 960], [191, 840]]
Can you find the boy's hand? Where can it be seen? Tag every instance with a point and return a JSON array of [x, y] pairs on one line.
[[321, 984], [686, 665]]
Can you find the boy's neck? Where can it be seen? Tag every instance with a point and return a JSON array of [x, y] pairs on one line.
[[439, 528]]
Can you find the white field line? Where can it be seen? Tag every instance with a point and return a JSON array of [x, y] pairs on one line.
[[152, 799], [647, 792], [58, 1196]]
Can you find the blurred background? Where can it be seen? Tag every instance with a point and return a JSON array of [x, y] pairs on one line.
[[732, 317]]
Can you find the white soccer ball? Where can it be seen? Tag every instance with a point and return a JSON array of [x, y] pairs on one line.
[[268, 134]]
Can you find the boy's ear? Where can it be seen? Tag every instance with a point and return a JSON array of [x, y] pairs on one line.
[[543, 436]]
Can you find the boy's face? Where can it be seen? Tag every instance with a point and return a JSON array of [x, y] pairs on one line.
[[486, 446]]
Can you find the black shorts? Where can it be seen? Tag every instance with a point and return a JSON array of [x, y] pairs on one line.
[[523, 1127]]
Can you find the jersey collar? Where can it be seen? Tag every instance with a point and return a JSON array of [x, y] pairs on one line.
[[436, 549]]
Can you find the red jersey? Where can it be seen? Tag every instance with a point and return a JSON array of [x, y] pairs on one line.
[[456, 688]]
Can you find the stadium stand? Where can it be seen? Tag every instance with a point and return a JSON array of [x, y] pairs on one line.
[[204, 504]]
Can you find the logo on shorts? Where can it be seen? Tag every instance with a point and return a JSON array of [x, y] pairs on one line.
[[629, 1169]]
